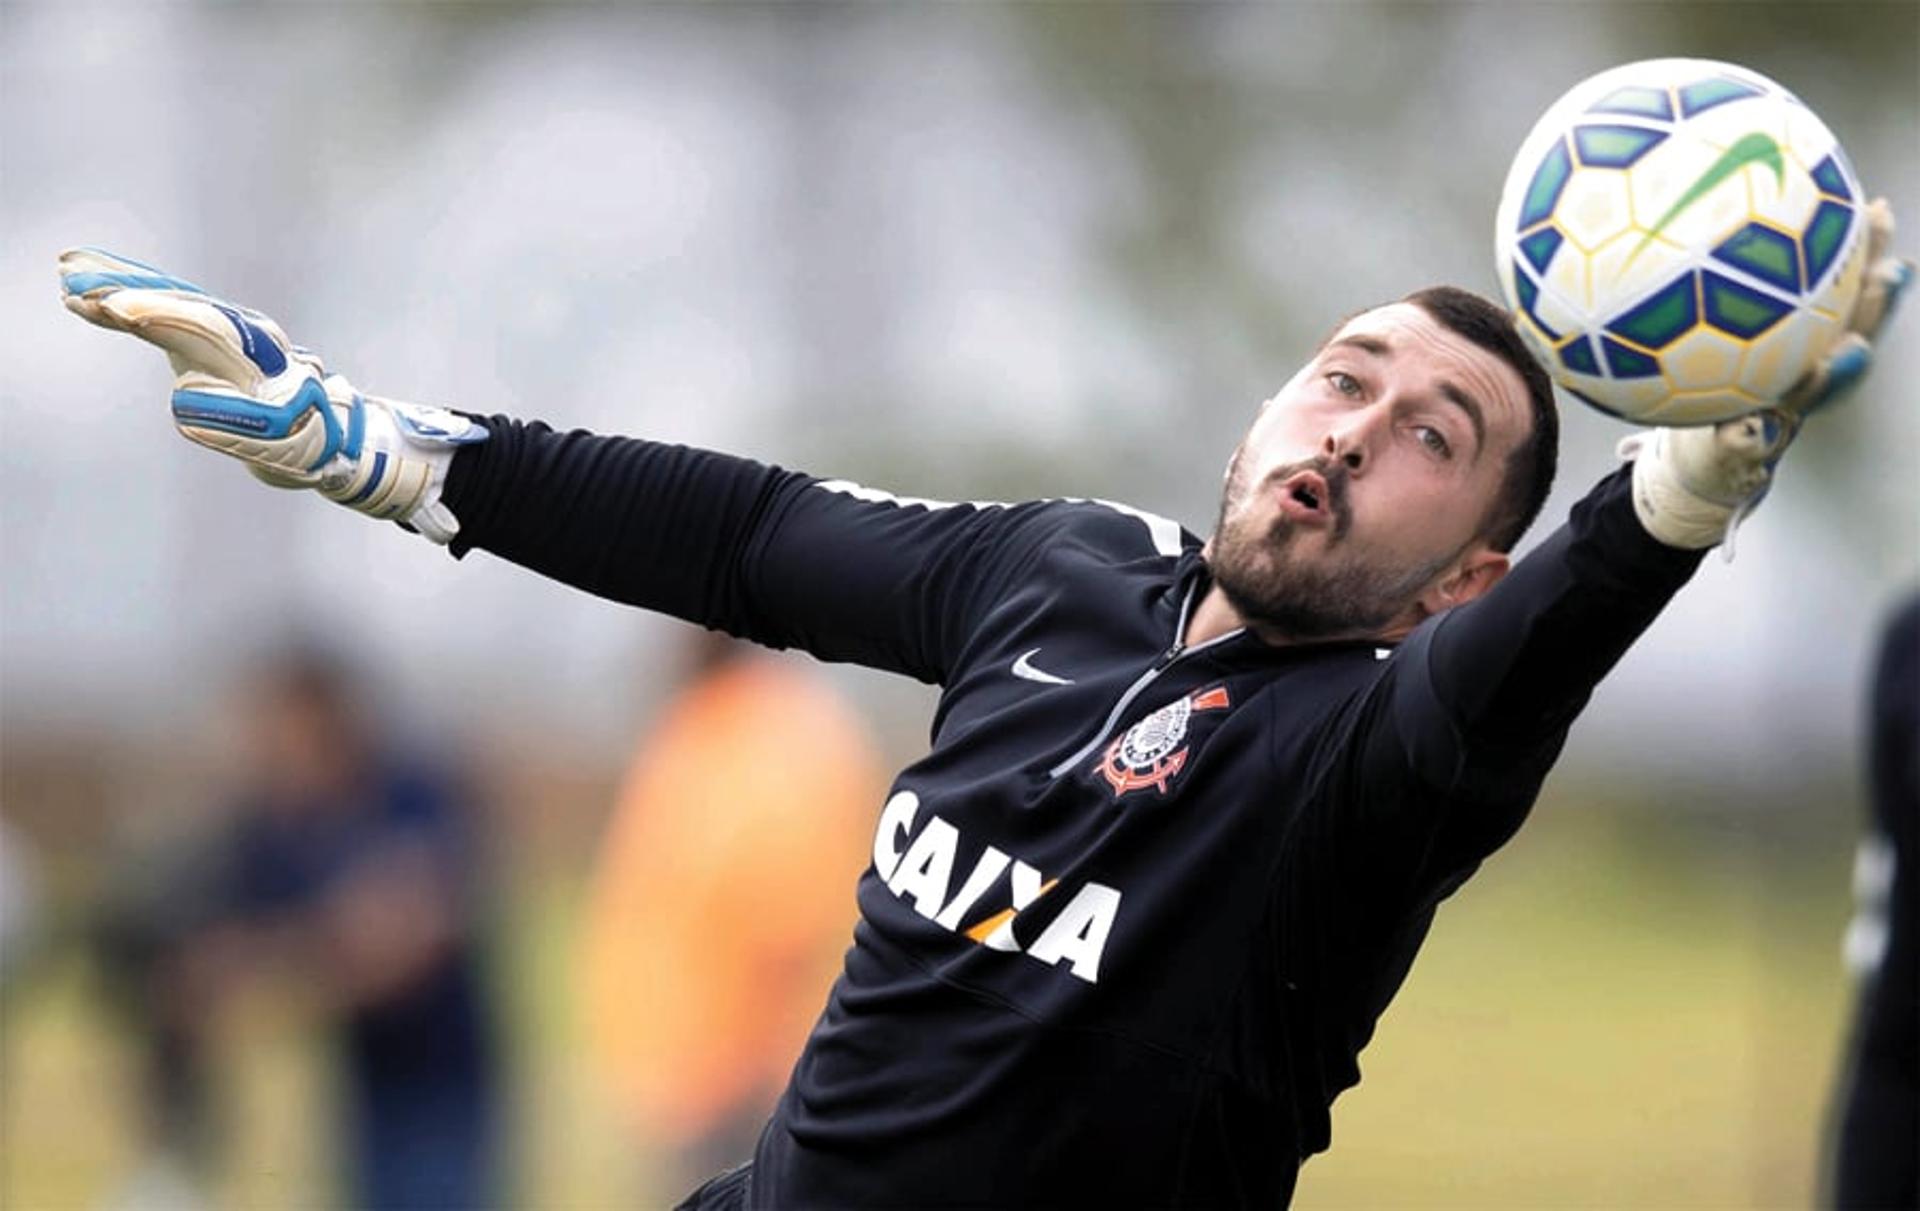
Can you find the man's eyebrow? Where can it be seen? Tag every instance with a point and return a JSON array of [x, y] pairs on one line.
[[1471, 407], [1366, 344]]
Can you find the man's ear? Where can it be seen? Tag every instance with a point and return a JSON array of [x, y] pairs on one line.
[[1478, 570]]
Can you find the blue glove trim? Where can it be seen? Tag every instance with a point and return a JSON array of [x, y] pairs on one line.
[[1847, 368], [356, 426], [262, 350], [379, 469], [127, 260], [316, 396], [80, 283], [434, 435], [251, 418]]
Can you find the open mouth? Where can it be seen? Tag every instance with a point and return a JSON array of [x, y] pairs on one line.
[[1305, 497]]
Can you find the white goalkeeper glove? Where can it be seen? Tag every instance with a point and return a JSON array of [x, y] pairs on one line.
[[242, 388], [1692, 487]]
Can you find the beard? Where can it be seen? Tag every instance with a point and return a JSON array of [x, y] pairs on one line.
[[1276, 590]]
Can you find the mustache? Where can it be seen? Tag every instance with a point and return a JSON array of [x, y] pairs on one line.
[[1336, 477]]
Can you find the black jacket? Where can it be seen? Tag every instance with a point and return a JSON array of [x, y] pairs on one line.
[[1131, 920]]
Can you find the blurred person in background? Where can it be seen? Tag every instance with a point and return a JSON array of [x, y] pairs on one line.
[[1875, 1159], [1190, 806], [347, 872], [757, 776]]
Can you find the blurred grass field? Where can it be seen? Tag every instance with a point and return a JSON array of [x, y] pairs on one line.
[[1621, 1010]]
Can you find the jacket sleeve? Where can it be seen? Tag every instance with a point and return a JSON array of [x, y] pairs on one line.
[[1462, 728], [781, 558]]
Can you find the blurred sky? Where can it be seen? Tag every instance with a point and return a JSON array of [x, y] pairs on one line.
[[969, 251]]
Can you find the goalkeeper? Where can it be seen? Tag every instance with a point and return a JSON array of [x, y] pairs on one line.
[[1189, 806]]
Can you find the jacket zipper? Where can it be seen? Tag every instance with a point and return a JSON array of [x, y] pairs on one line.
[[1166, 660]]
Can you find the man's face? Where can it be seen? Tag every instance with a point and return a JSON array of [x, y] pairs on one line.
[[1354, 504], [304, 751]]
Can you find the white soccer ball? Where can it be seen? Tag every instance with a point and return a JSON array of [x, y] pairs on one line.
[[1680, 240]]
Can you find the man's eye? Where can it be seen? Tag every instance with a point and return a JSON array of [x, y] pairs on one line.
[[1435, 441], [1344, 383]]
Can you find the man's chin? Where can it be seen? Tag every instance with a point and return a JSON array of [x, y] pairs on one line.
[[1301, 621], [1301, 594]]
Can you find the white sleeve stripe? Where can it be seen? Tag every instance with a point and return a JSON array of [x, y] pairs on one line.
[[878, 496], [1164, 532]]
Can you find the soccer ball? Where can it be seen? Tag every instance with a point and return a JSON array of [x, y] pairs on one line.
[[1680, 240]]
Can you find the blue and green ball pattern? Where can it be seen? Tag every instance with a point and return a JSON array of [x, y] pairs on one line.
[[1754, 278]]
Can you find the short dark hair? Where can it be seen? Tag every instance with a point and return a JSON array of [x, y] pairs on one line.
[[1530, 468]]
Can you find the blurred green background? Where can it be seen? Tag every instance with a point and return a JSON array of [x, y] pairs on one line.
[[1623, 1009], [963, 251]]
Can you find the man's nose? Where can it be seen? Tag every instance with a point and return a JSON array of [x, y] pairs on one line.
[[1350, 438]]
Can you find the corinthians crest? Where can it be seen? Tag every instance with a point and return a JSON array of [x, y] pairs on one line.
[[1149, 753]]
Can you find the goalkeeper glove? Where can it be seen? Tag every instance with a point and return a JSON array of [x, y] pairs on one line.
[[241, 387], [1692, 487]]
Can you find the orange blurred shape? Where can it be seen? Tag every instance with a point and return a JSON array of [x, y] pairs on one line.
[[723, 898]]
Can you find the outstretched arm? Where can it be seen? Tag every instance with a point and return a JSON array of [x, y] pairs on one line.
[[774, 556], [784, 559]]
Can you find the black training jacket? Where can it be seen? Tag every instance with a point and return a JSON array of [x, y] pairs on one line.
[[1131, 919]]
